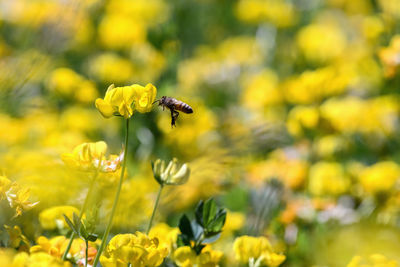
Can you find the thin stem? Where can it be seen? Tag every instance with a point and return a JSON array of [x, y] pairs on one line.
[[114, 207], [155, 208], [86, 254], [83, 209]]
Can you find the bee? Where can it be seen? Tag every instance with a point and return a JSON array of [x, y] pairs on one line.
[[174, 106]]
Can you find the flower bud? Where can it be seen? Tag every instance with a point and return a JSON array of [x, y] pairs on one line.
[[173, 174]]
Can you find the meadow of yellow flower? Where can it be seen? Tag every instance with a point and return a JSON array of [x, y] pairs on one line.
[[290, 157]]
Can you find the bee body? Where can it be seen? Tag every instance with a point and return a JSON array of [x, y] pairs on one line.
[[174, 106]]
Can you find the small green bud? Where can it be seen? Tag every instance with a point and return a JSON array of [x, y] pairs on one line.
[[173, 174]]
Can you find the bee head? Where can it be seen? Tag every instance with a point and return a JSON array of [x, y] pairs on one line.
[[160, 101]]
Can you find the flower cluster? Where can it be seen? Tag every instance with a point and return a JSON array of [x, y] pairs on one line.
[[257, 251], [123, 101], [135, 249]]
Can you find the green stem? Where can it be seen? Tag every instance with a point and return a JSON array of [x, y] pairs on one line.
[[114, 207], [84, 207], [155, 208], [86, 254]]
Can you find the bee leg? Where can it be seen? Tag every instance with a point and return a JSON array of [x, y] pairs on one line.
[[172, 119], [176, 114]]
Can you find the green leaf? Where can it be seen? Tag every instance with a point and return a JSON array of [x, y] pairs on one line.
[[197, 230], [209, 211], [77, 220], [71, 224], [211, 239], [216, 225], [185, 227], [199, 213], [83, 232]]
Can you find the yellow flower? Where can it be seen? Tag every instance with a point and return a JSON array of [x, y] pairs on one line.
[[38, 260], [166, 235], [144, 97], [186, 257], [52, 218], [321, 42], [327, 178], [261, 90], [18, 198], [85, 156], [234, 221], [122, 101], [116, 31], [16, 236], [6, 257], [67, 82], [137, 249], [375, 260], [91, 156], [56, 246], [172, 174], [279, 13], [390, 57], [110, 67], [256, 249], [118, 101], [302, 118], [380, 177]]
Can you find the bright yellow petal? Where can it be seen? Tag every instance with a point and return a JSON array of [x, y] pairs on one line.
[[145, 98], [105, 108]]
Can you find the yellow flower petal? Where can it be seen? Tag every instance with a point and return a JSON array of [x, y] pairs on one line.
[[105, 108]]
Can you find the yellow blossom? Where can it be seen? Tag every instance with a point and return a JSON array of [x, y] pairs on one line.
[[52, 218], [144, 97], [234, 221], [380, 177], [280, 13], [166, 235], [86, 156], [116, 31], [67, 82], [110, 67], [18, 198], [123, 101], [374, 260], [16, 237], [261, 90], [38, 260], [327, 178], [56, 246], [186, 257], [253, 249], [390, 56], [302, 118], [137, 249], [321, 42]]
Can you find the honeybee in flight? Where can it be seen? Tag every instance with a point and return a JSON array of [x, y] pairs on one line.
[[174, 106]]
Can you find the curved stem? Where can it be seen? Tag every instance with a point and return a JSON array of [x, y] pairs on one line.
[[114, 207], [83, 209], [155, 208]]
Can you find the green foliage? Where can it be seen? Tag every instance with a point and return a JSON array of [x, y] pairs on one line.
[[205, 228]]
